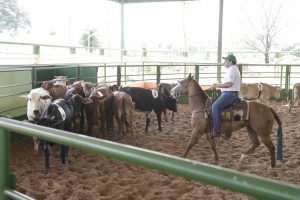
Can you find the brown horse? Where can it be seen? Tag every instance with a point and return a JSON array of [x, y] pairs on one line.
[[260, 123]]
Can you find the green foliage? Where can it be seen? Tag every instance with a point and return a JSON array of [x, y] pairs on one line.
[[89, 39], [12, 18]]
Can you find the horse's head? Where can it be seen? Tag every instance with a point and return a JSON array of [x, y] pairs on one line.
[[182, 87]]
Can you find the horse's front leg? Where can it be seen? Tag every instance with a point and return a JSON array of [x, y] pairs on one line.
[[196, 134], [212, 143]]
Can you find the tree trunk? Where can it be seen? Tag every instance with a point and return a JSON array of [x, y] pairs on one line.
[[267, 58]]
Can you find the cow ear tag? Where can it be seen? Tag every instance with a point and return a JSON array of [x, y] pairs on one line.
[[154, 93]]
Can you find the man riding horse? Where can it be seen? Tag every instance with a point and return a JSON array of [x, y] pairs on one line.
[[230, 92]]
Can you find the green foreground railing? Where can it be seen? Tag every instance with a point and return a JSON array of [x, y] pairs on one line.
[[210, 174]]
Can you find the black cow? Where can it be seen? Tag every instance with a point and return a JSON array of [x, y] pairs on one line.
[[165, 88], [144, 101], [79, 108], [59, 115]]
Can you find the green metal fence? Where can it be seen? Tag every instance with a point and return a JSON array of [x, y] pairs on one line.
[[17, 80], [210, 174]]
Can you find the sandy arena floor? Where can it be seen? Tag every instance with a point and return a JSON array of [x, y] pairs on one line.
[[89, 176]]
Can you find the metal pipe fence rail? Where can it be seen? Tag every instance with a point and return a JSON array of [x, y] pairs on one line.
[[18, 79], [36, 53], [210, 174]]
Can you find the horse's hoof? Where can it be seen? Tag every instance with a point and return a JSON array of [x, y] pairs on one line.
[[242, 158]]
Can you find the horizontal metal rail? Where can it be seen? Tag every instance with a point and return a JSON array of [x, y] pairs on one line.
[[210, 174], [11, 109], [16, 195]]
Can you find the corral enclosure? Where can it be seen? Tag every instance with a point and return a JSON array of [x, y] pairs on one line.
[[94, 176]]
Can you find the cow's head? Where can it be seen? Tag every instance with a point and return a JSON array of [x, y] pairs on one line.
[[94, 101], [277, 92], [37, 100], [60, 80], [52, 116], [171, 103]]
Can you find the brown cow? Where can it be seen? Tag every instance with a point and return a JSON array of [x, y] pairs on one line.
[[56, 87], [123, 111], [296, 96], [92, 110], [259, 91], [105, 104], [105, 108]]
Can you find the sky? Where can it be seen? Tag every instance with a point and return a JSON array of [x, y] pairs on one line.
[[154, 24]]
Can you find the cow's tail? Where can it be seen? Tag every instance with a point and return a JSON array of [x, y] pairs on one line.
[[123, 115], [279, 134]]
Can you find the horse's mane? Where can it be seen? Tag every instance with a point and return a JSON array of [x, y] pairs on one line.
[[198, 87]]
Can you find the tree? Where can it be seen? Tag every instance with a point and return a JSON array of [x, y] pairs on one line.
[[12, 18], [293, 49], [89, 39], [265, 25]]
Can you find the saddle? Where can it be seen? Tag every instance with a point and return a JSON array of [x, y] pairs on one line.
[[237, 111]]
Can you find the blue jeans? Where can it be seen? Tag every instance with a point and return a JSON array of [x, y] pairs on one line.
[[224, 100]]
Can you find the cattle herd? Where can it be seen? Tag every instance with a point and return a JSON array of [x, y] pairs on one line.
[[66, 107], [61, 105]]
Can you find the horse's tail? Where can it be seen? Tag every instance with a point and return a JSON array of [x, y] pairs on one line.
[[276, 117], [279, 135]]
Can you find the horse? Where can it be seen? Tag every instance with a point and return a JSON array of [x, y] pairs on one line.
[[259, 124]]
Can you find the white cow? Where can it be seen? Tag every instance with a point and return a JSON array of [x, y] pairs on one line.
[[296, 96], [37, 100], [260, 91]]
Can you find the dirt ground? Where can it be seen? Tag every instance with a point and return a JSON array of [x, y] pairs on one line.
[[88, 176]]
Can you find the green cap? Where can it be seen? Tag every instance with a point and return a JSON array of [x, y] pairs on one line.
[[230, 57]]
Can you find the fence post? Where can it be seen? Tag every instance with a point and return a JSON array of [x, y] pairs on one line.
[[157, 74], [197, 73], [281, 74], [4, 162], [241, 70], [287, 80], [34, 77], [79, 77], [36, 52], [119, 75], [219, 71], [104, 72]]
